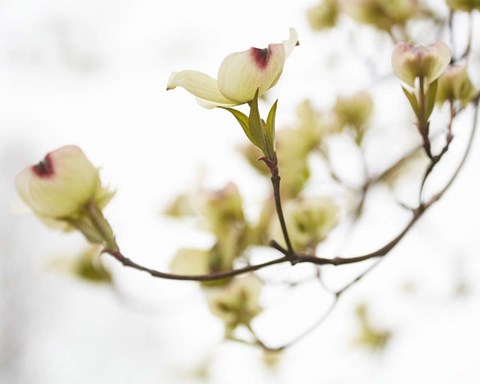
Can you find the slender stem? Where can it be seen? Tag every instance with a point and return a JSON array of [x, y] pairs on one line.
[[207, 277], [423, 124], [300, 258], [281, 218], [436, 159]]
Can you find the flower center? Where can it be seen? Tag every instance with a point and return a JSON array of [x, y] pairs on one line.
[[44, 168], [260, 56]]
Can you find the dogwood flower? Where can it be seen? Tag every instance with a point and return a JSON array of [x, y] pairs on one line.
[[455, 84], [236, 303], [429, 62], [61, 184], [239, 75]]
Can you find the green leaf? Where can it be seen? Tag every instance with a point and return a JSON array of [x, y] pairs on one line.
[[413, 101], [256, 124], [243, 121], [430, 99], [270, 127]]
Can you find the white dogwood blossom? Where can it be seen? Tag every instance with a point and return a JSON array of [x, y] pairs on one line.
[[239, 75], [61, 184], [411, 62]]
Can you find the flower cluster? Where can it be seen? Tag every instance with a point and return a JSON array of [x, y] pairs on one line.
[[384, 15], [64, 189]]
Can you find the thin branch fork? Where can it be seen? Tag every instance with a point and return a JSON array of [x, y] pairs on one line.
[[301, 258]]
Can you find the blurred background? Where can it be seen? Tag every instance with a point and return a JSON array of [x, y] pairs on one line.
[[94, 73]]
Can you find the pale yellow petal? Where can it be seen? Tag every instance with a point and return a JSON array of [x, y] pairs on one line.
[[200, 85], [291, 43], [61, 189], [441, 53], [242, 73], [191, 262], [402, 57]]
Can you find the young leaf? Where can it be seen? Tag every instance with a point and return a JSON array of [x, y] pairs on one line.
[[270, 127], [413, 101], [243, 121], [430, 99], [255, 124]]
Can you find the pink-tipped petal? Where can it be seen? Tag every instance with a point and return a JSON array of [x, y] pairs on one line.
[[59, 185], [242, 73]]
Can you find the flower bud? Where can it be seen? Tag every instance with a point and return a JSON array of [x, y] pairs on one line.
[[455, 84], [323, 15], [309, 221], [464, 5], [428, 62], [60, 185], [237, 302], [354, 111]]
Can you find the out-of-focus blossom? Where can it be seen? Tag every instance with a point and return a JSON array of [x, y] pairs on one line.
[[455, 84], [464, 5], [370, 336], [240, 75], [309, 221], [189, 261], [412, 62], [235, 303], [323, 15], [293, 151], [355, 112], [222, 209], [311, 125], [86, 266], [60, 185], [382, 14]]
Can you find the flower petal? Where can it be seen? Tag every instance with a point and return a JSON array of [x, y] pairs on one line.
[[402, 59], [58, 186], [191, 262], [201, 85], [420, 61], [242, 73], [291, 43], [441, 58]]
